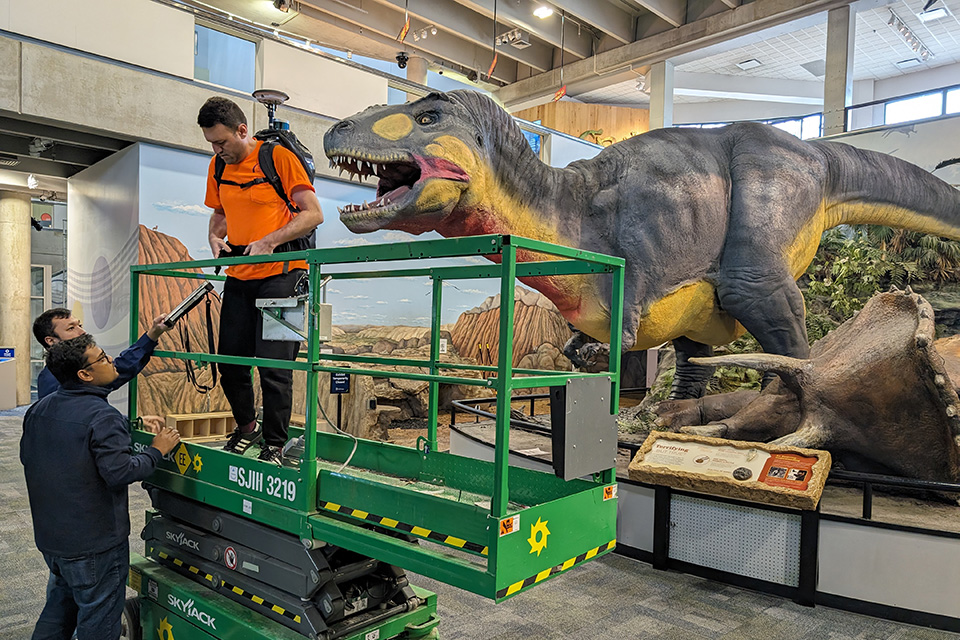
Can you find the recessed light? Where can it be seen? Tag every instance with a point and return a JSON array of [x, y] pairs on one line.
[[543, 11], [908, 63], [752, 63], [932, 14]]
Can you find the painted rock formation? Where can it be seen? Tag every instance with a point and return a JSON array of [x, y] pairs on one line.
[[536, 323]]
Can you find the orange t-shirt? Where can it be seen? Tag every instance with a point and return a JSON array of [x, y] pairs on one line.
[[256, 211]]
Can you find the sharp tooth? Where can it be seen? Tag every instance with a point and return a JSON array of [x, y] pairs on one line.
[[340, 210], [365, 205], [341, 172]]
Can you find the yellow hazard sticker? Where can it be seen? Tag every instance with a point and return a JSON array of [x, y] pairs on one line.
[[538, 536], [182, 457], [135, 579], [609, 493], [509, 525], [197, 463]]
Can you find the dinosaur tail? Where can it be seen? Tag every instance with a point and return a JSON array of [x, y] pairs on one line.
[[868, 187]]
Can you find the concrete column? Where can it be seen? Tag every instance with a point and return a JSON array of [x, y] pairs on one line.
[[416, 72], [15, 320], [660, 81], [838, 81]]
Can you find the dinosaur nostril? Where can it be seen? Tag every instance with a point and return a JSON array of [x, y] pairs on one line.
[[343, 125]]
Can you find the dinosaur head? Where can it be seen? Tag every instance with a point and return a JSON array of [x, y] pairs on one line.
[[426, 154]]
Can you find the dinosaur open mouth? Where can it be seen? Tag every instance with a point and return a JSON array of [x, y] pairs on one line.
[[399, 179]]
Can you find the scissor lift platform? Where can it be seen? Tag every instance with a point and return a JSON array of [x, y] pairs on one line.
[[485, 527]]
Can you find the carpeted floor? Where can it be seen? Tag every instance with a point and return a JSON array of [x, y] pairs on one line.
[[613, 598]]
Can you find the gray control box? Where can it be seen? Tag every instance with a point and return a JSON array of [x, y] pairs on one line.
[[584, 430]]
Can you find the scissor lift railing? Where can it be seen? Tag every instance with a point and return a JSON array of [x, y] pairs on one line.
[[497, 529]]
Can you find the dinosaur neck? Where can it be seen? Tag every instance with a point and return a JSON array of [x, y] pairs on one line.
[[512, 191]]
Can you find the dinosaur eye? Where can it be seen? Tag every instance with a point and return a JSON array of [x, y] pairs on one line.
[[427, 118]]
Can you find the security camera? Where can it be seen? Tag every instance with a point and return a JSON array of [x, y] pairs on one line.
[[402, 58]]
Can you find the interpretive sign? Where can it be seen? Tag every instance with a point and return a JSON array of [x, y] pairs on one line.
[[786, 476]]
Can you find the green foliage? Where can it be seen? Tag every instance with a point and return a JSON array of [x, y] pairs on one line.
[[851, 266]]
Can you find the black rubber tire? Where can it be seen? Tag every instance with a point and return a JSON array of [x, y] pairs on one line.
[[130, 624]]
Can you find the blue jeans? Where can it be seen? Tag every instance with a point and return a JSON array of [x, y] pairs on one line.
[[86, 594]]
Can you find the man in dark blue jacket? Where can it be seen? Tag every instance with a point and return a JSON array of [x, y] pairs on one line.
[[77, 461], [55, 325]]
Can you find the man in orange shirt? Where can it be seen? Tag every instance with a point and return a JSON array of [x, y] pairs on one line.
[[254, 217]]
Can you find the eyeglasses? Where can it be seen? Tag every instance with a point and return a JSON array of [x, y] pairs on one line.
[[103, 356]]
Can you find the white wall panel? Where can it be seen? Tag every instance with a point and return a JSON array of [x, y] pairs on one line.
[[317, 84], [895, 568], [140, 32]]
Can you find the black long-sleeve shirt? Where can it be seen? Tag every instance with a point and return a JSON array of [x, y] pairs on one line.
[[76, 457], [129, 363]]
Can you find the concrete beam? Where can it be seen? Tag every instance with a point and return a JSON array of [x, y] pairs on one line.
[[712, 85], [576, 40], [469, 25], [387, 22], [603, 15], [673, 11], [745, 19]]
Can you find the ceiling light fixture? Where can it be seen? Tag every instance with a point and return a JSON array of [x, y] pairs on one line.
[[933, 14], [515, 38], [32, 182], [543, 11], [752, 63], [909, 37], [281, 5], [642, 84]]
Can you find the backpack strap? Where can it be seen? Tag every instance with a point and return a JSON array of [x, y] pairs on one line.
[[219, 165], [269, 169]]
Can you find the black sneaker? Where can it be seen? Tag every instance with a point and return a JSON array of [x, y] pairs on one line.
[[239, 442], [271, 453]]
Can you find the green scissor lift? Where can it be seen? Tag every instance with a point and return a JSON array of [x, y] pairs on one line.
[[491, 529]]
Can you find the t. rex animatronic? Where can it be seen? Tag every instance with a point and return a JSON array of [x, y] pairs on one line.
[[716, 225]]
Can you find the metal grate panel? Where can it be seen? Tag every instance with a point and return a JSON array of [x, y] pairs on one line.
[[749, 542]]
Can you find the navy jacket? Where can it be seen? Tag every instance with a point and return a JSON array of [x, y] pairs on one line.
[[76, 458], [129, 363]]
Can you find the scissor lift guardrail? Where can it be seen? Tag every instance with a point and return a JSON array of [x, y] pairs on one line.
[[498, 529]]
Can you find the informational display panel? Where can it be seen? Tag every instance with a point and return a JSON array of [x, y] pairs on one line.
[[785, 476]]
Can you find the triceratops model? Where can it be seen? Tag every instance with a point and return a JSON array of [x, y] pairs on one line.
[[875, 392], [715, 225]]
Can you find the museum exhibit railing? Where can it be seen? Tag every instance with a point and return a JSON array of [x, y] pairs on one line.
[[486, 522]]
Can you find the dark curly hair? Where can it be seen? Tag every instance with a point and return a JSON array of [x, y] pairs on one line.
[[66, 359], [43, 325], [218, 110]]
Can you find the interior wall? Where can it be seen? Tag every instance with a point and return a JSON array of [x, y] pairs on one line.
[[311, 81], [140, 32], [102, 234], [607, 124]]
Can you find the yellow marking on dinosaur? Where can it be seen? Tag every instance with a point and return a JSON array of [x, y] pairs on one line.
[[393, 127], [689, 311]]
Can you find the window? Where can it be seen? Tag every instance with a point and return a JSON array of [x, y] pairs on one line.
[[224, 59], [953, 101], [916, 108], [790, 126], [533, 139], [811, 127], [39, 302]]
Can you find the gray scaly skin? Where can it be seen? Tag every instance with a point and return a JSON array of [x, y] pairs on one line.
[[715, 225]]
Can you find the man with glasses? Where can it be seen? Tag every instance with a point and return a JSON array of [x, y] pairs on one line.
[[56, 325], [76, 457]]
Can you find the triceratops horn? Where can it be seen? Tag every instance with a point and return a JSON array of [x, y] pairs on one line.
[[789, 369]]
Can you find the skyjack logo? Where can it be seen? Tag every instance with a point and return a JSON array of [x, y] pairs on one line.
[[191, 611], [183, 541]]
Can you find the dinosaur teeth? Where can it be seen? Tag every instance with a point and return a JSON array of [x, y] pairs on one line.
[[340, 210]]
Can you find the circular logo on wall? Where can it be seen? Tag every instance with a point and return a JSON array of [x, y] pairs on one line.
[[230, 557]]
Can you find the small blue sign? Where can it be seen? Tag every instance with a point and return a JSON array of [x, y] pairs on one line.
[[339, 382], [7, 353]]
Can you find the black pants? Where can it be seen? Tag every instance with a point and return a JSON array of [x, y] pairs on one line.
[[241, 328]]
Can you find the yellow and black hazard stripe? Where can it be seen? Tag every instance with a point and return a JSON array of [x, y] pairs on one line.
[[163, 555], [442, 538], [552, 571], [261, 602]]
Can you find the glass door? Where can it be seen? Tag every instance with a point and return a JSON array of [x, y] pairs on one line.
[[40, 301]]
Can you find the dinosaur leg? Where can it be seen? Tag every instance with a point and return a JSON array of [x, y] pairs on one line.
[[690, 380], [768, 304], [572, 348]]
